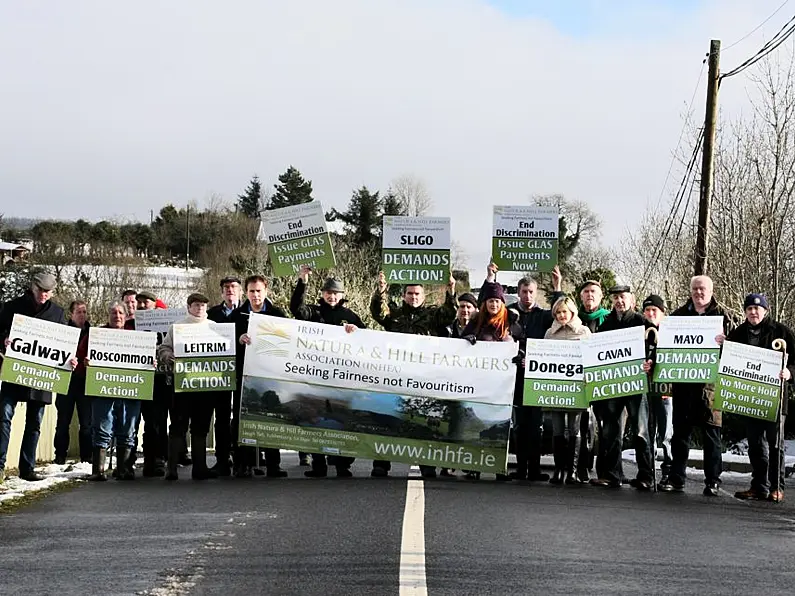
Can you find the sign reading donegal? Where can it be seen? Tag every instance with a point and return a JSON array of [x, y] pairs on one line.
[[613, 363], [525, 238], [553, 376], [416, 249], [748, 382], [687, 351], [377, 395], [297, 235], [121, 363], [204, 357], [38, 354]]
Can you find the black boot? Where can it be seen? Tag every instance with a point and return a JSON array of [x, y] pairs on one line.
[[559, 453], [198, 452], [174, 448], [123, 471], [98, 465], [572, 453]]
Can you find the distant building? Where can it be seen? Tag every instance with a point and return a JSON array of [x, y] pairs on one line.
[[10, 251]]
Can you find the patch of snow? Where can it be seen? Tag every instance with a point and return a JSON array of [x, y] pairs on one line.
[[54, 474]]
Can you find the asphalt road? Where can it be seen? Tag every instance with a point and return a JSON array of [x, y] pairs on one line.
[[328, 537]]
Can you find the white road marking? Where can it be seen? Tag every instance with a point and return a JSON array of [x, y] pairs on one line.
[[412, 543]]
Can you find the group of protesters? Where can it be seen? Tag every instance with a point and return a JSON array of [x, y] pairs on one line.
[[584, 441]]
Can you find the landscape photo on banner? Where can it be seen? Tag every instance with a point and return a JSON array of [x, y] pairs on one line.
[[613, 362], [525, 238], [416, 250], [297, 235], [38, 354], [748, 381], [377, 395], [687, 350], [121, 363], [204, 357], [553, 375]]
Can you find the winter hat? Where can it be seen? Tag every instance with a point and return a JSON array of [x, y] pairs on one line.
[[756, 300], [230, 279], [620, 289], [332, 285], [467, 297], [146, 295], [491, 290], [44, 281], [197, 297], [590, 282], [654, 300], [160, 304]]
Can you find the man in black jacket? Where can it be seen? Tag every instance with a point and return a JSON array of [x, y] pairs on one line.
[[534, 321], [34, 303], [330, 310], [611, 411], [766, 439], [693, 402], [231, 292], [246, 458]]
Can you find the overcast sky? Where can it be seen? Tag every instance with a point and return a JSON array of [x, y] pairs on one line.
[[111, 109]]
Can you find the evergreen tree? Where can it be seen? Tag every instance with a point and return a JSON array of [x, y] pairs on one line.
[[393, 205], [292, 189], [362, 219], [250, 202]]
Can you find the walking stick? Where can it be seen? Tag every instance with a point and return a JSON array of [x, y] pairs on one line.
[[652, 421], [780, 345]]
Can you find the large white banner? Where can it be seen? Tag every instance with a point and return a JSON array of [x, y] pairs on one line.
[[411, 365]]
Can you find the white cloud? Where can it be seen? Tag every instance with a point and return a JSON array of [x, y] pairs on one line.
[[112, 111]]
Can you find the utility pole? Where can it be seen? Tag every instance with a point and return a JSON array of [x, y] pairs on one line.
[[187, 249], [705, 195]]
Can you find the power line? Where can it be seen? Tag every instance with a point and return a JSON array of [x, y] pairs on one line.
[[758, 27], [681, 134], [779, 38]]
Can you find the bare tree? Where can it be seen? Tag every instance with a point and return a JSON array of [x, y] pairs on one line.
[[412, 194]]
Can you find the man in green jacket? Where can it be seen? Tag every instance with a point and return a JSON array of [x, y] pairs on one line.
[[415, 317]]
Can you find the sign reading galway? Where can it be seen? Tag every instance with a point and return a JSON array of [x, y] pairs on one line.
[[38, 354], [158, 320], [553, 376], [525, 238], [613, 363], [416, 249], [377, 395], [204, 357], [748, 382], [297, 235], [121, 363], [687, 351]]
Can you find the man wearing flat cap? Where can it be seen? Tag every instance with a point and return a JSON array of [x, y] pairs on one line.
[[330, 310], [34, 303], [611, 411]]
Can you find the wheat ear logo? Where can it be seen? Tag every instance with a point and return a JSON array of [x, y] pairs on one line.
[[272, 340]]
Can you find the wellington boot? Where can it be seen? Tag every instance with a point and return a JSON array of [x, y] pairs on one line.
[[98, 465], [174, 447], [123, 470], [198, 452], [557, 477]]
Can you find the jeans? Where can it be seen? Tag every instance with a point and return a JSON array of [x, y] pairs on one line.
[[689, 412], [662, 409], [34, 411], [566, 424], [765, 447], [65, 405], [612, 412], [114, 418]]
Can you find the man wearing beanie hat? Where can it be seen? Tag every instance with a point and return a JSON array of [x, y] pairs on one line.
[[467, 306], [331, 310], [692, 402], [766, 439], [534, 321], [658, 400], [414, 317]]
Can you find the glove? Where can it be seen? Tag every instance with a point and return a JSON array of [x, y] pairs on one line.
[[470, 338], [518, 358]]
